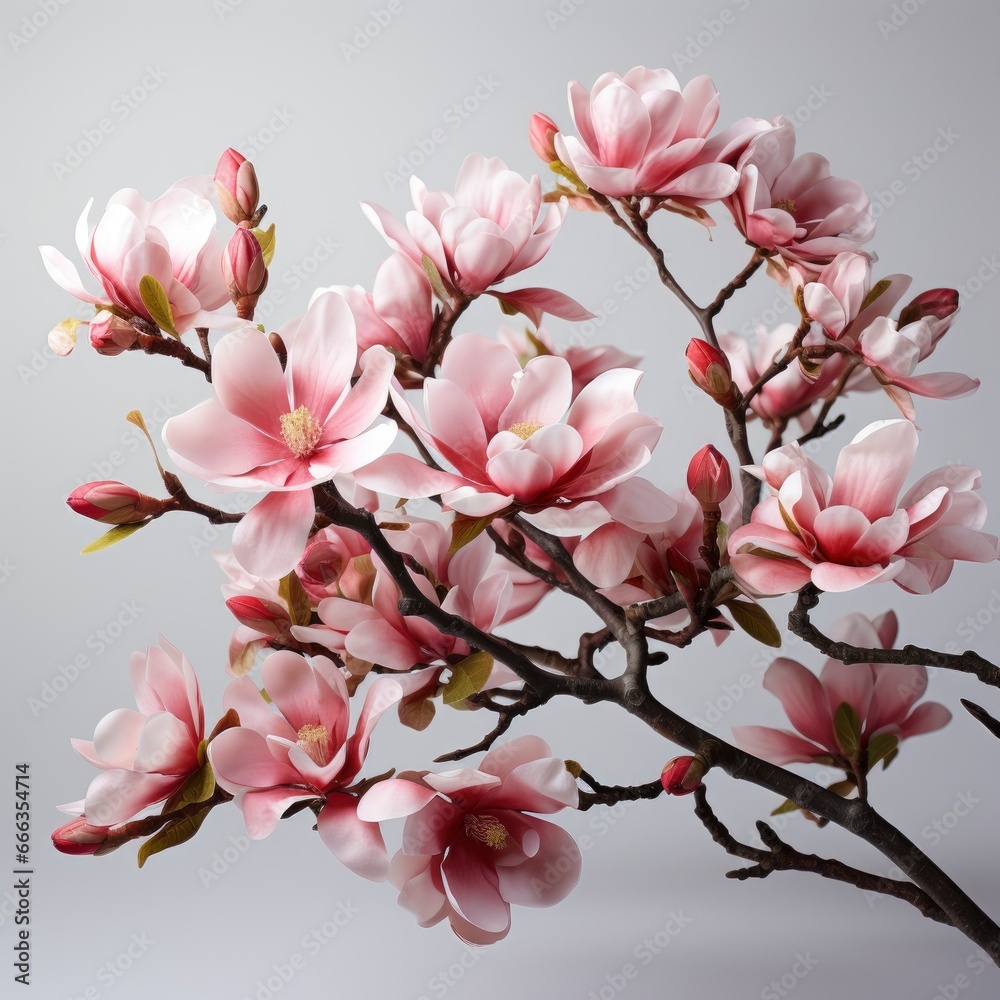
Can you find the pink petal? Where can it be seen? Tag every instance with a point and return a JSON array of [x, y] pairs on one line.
[[872, 468], [355, 843], [270, 538], [393, 799], [803, 699], [776, 745]]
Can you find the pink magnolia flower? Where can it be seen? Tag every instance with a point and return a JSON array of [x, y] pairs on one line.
[[109, 335], [794, 207], [586, 363], [491, 228], [398, 313], [471, 847], [834, 297], [791, 393], [884, 695], [302, 753], [171, 238], [519, 438], [842, 533], [145, 756], [285, 431], [640, 134]]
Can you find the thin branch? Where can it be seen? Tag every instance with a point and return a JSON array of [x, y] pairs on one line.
[[206, 350], [981, 715], [740, 281], [520, 559], [801, 625], [608, 795], [506, 714], [779, 856], [156, 343]]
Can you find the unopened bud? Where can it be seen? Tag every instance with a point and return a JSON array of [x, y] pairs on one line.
[[541, 133], [113, 503], [681, 775], [938, 302], [260, 615], [709, 370], [79, 837], [244, 271], [110, 335], [709, 478], [236, 187]]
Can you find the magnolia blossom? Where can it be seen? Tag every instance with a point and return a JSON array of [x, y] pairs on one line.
[[519, 438], [794, 207], [145, 756], [586, 363], [842, 533], [285, 431], [789, 394], [302, 752], [492, 227], [470, 844], [641, 134], [834, 297], [171, 238], [398, 313], [883, 695], [79, 837]]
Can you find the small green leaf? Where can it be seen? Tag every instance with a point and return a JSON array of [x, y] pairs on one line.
[[573, 767], [266, 240], [466, 529], [296, 599], [468, 677], [417, 714], [508, 308], [722, 533], [115, 534], [756, 622], [171, 835], [889, 758], [786, 807], [540, 349], [880, 747], [847, 729], [199, 787], [154, 298], [434, 277], [842, 788], [560, 168], [876, 291]]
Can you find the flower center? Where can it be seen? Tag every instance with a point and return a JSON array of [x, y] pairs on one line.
[[487, 830], [315, 741], [524, 429], [786, 205], [300, 431]]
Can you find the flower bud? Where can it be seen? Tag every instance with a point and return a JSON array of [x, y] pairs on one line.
[[113, 503], [709, 478], [262, 616], [243, 266], [79, 837], [681, 775], [540, 134], [236, 187], [110, 335], [938, 302], [709, 370]]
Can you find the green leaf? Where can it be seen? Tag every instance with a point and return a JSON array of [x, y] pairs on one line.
[[266, 240], [434, 277], [468, 677], [154, 298], [880, 747], [296, 599], [171, 835], [756, 622], [842, 788], [877, 289], [847, 729], [199, 787], [889, 758], [540, 349], [560, 168], [508, 308], [786, 807], [466, 529], [417, 714], [115, 534]]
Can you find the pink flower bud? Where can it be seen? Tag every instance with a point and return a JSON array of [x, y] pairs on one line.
[[709, 370], [262, 616], [540, 133], [236, 187], [110, 335], [709, 478], [113, 503], [243, 266], [681, 775], [79, 837], [938, 302]]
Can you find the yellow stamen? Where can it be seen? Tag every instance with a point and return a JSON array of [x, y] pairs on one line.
[[487, 830], [524, 429], [300, 431], [786, 205], [315, 741]]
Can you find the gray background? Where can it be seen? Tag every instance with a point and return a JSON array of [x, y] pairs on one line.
[[330, 127]]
